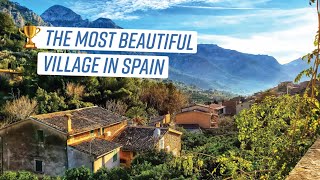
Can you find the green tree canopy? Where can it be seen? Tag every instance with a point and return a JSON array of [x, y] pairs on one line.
[[6, 24], [273, 136]]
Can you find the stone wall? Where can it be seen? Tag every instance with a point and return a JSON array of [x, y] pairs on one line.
[[308, 168], [21, 148], [173, 142], [77, 159]]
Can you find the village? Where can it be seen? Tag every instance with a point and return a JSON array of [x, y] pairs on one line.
[[94, 137]]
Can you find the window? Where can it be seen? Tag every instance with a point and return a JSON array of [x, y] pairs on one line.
[[115, 157], [39, 166], [40, 136], [123, 161]]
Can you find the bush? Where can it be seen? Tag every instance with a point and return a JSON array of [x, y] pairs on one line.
[[111, 174], [20, 175], [81, 173], [154, 157]]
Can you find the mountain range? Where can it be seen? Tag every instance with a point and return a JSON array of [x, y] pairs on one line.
[[212, 67]]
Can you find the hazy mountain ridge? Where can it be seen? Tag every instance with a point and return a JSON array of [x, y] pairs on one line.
[[212, 67], [230, 70]]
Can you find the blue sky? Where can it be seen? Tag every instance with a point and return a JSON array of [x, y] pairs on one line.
[[284, 29]]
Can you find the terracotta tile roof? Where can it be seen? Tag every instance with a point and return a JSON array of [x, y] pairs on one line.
[[216, 106], [139, 138], [194, 104], [84, 119], [98, 147]]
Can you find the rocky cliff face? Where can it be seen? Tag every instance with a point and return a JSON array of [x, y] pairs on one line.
[[61, 16], [20, 14]]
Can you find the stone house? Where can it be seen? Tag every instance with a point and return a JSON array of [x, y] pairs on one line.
[[231, 105], [246, 104], [52, 143], [205, 116], [137, 139]]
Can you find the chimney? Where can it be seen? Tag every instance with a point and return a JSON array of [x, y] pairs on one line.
[[69, 122], [167, 118], [158, 124]]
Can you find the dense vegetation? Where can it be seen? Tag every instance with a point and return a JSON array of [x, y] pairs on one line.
[[273, 135]]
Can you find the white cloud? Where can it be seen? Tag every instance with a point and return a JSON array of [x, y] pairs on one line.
[[275, 17], [121, 9], [238, 3], [217, 7], [285, 45]]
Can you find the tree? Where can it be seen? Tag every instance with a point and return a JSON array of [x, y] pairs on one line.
[[49, 102], [6, 24], [19, 109], [273, 136], [118, 107], [163, 97], [313, 58], [138, 115], [75, 91]]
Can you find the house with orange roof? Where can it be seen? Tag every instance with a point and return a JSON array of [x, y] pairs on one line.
[[204, 116], [138, 139], [93, 137]]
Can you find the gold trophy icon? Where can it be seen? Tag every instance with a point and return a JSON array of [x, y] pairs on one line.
[[30, 32]]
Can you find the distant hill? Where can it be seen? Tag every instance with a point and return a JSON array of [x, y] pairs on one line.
[[61, 16], [225, 69], [21, 14], [295, 67]]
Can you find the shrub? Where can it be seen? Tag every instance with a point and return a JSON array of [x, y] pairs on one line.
[[111, 174], [19, 109], [19, 175], [81, 173]]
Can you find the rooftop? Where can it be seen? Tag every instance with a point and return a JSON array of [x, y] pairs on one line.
[[211, 106], [216, 106], [96, 147], [156, 119], [139, 138], [84, 119]]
